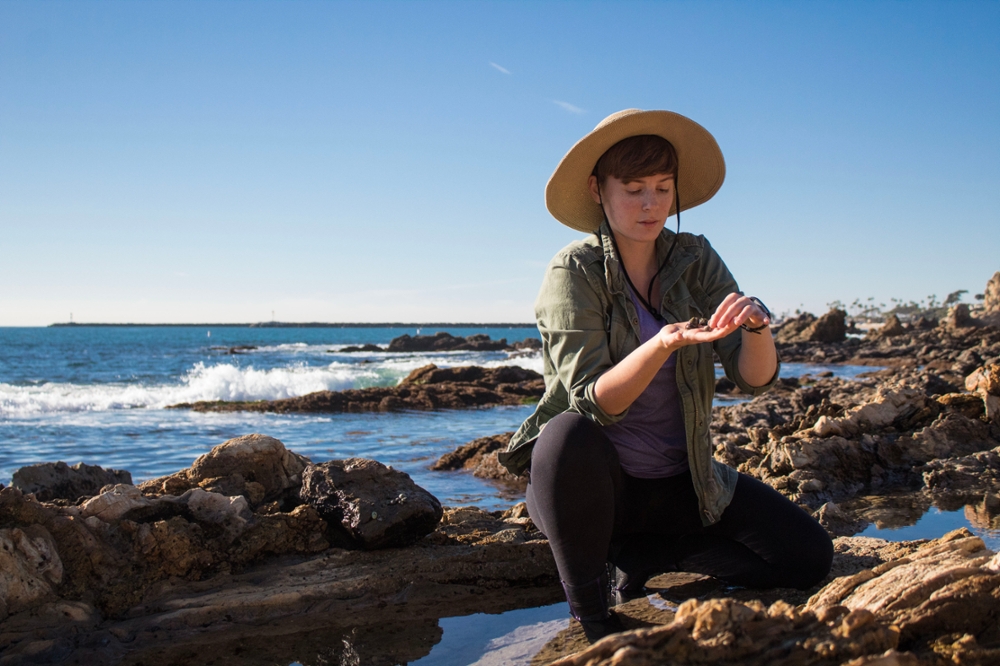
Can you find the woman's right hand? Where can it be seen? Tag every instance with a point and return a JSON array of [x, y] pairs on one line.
[[674, 336]]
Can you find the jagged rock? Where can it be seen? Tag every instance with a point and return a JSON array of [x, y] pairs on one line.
[[30, 568], [480, 457], [257, 467], [831, 327], [991, 295], [985, 382], [958, 317], [114, 503], [377, 506], [838, 523], [948, 585], [791, 329], [426, 388], [890, 329], [965, 473], [724, 631], [49, 481], [528, 344]]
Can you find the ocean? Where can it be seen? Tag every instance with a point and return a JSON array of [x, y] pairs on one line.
[[98, 395]]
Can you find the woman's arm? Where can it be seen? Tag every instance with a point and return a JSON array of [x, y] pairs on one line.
[[618, 387], [758, 359]]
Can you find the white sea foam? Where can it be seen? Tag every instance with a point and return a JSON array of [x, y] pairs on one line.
[[226, 381]]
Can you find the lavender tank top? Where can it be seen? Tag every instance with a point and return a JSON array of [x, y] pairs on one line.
[[650, 440]]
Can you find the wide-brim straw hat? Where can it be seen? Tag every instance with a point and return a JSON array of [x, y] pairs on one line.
[[700, 167]]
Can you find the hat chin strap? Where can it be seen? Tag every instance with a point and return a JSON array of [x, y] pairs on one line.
[[646, 302]]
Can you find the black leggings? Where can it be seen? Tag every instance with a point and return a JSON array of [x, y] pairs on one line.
[[591, 511]]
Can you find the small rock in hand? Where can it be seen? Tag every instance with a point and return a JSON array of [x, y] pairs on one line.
[[697, 322]]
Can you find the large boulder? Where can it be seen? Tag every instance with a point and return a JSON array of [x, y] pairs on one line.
[[50, 481], [374, 505], [257, 467]]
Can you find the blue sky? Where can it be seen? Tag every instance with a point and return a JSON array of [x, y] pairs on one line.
[[335, 161]]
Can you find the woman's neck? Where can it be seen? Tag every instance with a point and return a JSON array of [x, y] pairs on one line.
[[639, 259]]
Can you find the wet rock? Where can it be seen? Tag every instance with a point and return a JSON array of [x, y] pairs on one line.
[[375, 505], [257, 467], [50, 481], [426, 388], [838, 523], [480, 457], [528, 344], [351, 349]]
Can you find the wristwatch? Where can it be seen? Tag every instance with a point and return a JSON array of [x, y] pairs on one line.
[[757, 329]]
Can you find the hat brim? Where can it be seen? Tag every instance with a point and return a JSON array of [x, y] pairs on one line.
[[701, 168]]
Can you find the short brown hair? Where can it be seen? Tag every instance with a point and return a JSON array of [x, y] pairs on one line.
[[637, 157]]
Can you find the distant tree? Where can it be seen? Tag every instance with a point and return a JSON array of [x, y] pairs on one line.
[[954, 297], [980, 297]]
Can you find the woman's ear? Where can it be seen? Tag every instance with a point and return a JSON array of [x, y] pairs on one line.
[[595, 192]]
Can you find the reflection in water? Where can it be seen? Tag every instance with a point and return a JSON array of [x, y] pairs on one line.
[[907, 523]]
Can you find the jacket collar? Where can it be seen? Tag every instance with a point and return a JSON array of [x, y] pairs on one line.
[[684, 255]]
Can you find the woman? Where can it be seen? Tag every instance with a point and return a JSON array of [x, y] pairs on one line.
[[618, 451]]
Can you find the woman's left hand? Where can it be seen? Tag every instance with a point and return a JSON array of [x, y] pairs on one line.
[[737, 310]]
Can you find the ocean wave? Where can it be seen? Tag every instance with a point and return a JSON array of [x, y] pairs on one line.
[[224, 381]]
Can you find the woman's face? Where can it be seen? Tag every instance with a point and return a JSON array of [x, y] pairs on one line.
[[636, 208]]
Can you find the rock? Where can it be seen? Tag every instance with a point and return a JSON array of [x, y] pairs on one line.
[[791, 329], [375, 505], [30, 568], [948, 585], [528, 344], [724, 631], [257, 467], [985, 382], [114, 503], [350, 349], [831, 327], [49, 481], [426, 388], [480, 457], [890, 329], [991, 295], [446, 342], [958, 317], [838, 523]]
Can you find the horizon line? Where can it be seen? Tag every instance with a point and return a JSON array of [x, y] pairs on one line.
[[313, 324]]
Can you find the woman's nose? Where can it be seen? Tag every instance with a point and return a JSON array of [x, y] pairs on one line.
[[648, 200]]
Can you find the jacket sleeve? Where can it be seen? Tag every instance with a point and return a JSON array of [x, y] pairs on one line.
[[571, 320], [718, 283]]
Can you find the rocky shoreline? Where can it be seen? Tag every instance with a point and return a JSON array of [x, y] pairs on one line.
[[426, 388], [262, 556]]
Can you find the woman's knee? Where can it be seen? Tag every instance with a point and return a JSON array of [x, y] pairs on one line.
[[571, 441]]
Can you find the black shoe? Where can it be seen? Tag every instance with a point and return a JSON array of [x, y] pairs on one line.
[[588, 603], [595, 630], [627, 586]]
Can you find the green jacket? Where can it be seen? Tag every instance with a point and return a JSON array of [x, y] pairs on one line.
[[588, 323]]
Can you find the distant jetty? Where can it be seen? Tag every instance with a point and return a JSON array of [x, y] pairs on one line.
[[318, 324]]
